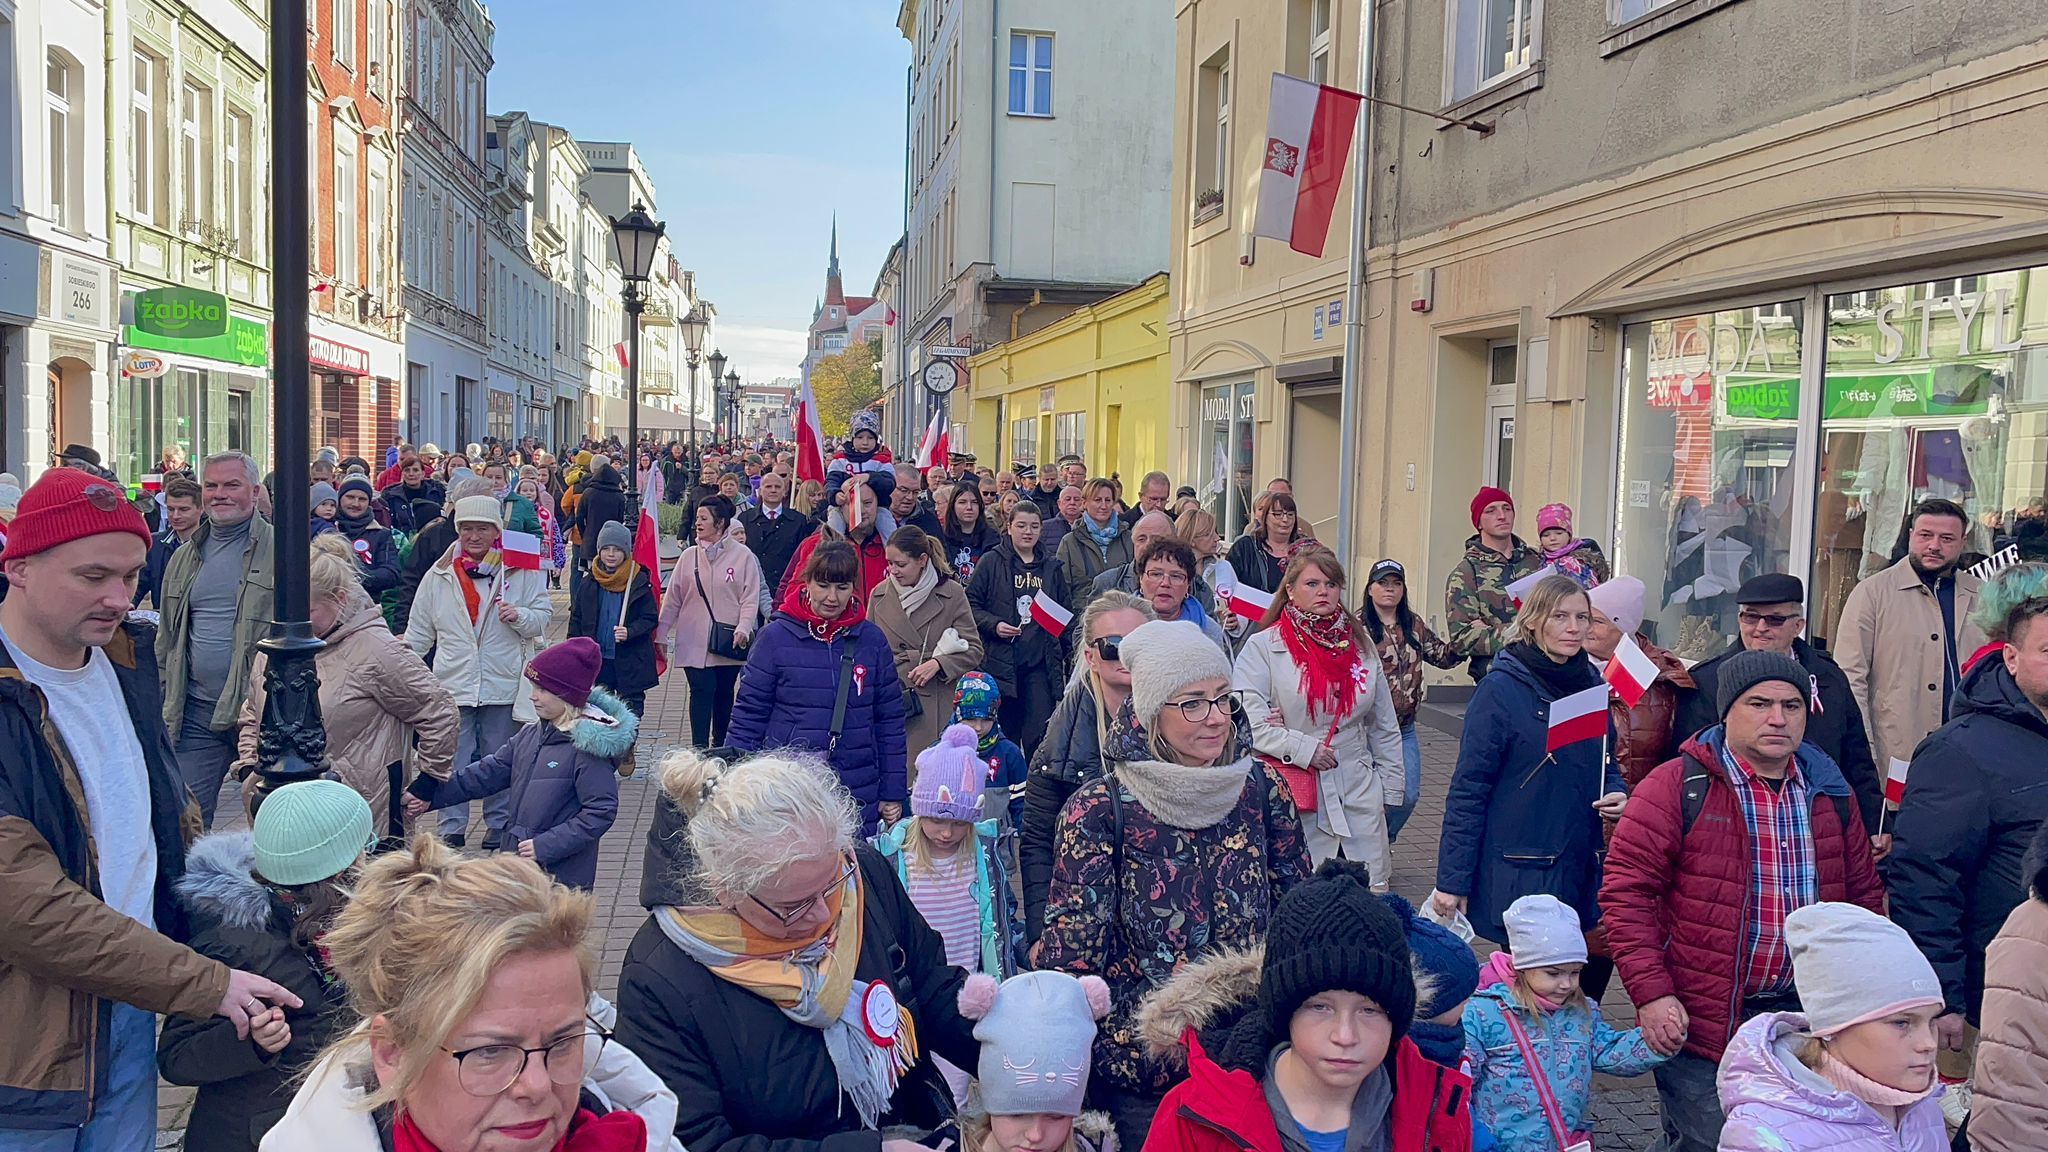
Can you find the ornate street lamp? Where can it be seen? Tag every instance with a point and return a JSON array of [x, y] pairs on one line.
[[694, 327], [721, 427], [291, 744], [637, 236], [717, 362], [732, 401]]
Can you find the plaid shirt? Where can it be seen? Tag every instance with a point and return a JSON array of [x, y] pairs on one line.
[[1782, 872]]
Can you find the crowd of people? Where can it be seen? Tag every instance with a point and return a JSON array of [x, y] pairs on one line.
[[1006, 820]]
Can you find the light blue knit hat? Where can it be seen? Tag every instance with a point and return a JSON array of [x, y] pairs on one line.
[[311, 831]]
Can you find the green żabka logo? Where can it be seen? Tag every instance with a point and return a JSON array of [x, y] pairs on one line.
[[181, 313]]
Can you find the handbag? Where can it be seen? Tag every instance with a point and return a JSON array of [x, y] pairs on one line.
[[724, 639], [1567, 1141], [1300, 779]]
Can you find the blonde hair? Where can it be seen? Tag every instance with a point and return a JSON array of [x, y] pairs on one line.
[[917, 851], [751, 819], [334, 573], [806, 496], [1542, 601], [1519, 989], [423, 932]]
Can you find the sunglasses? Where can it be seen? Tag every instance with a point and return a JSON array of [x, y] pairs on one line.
[[1770, 620], [1107, 648], [104, 497]]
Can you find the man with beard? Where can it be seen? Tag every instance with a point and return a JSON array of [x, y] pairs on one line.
[[1905, 629]]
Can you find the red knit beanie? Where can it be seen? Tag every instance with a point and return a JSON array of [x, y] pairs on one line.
[[568, 669], [56, 510], [1488, 495]]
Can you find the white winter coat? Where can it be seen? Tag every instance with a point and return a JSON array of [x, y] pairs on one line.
[[485, 662], [1353, 796], [327, 1114]]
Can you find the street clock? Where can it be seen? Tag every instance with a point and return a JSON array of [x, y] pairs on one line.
[[941, 377]]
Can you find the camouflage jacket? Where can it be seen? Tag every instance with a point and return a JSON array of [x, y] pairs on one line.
[[1403, 656], [1477, 607]]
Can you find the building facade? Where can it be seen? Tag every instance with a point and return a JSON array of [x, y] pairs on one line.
[[521, 295], [447, 339]]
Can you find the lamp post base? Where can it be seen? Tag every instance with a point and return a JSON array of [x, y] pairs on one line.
[[291, 743]]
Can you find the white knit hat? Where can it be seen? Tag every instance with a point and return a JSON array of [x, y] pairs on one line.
[[478, 510], [1164, 657], [1542, 931], [1620, 600], [1852, 966]]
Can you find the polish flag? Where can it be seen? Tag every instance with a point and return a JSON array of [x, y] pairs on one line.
[[1579, 716], [1249, 602], [810, 440], [1631, 672], [619, 350], [521, 549], [933, 449], [647, 533], [154, 482], [1308, 137], [1520, 589], [1895, 782], [1048, 614]]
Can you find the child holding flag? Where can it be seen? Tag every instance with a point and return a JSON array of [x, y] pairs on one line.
[[1017, 594], [616, 608]]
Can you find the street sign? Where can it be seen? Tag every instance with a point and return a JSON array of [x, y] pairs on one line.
[[950, 351]]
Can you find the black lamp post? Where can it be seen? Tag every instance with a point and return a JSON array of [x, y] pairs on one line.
[[291, 744], [694, 326], [637, 236], [732, 402]]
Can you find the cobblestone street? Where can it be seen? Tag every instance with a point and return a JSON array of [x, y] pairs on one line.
[[1624, 1111]]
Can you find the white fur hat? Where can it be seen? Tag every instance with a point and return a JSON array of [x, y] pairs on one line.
[[1165, 656], [1542, 931]]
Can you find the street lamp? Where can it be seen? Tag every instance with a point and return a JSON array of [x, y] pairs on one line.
[[717, 362], [732, 401], [291, 743], [694, 326], [637, 236]]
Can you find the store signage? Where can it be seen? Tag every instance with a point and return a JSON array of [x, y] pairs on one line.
[[1965, 392], [1774, 398], [948, 351], [540, 394], [143, 365], [181, 313], [246, 342], [334, 354], [1981, 322]]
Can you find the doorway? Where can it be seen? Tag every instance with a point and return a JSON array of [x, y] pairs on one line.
[[68, 384], [1502, 363]]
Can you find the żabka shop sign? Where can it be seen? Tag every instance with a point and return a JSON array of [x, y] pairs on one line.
[[181, 313], [340, 357]]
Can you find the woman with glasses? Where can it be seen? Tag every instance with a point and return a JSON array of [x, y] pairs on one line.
[[1260, 556], [789, 994], [1521, 820], [1318, 699], [1166, 570], [1179, 852], [474, 1020], [1071, 753]]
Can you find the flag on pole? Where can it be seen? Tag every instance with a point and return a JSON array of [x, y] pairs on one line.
[[1579, 716], [1895, 781], [934, 447], [854, 517], [1631, 672], [647, 533], [1248, 601], [1049, 614], [810, 440], [619, 350], [1308, 138], [521, 550]]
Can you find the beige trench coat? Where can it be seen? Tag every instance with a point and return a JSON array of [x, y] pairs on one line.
[[1890, 646], [2009, 1111], [910, 641]]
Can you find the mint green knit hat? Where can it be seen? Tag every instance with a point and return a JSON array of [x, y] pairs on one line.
[[311, 831]]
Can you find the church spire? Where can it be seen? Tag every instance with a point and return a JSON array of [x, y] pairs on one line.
[[835, 292]]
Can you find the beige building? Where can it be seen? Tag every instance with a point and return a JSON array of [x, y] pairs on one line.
[[1737, 280]]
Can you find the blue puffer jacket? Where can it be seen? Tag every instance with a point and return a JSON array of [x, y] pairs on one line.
[[1519, 821], [565, 787], [1570, 1044], [786, 694]]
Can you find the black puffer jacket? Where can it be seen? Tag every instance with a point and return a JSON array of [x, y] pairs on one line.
[[604, 500], [1001, 581], [1068, 757], [747, 1078], [1976, 796]]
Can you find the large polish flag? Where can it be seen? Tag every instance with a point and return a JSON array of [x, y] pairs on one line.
[[810, 439], [1308, 137], [934, 449], [1579, 716], [647, 531]]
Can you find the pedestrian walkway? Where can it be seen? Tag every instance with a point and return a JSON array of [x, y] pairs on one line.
[[1624, 1111]]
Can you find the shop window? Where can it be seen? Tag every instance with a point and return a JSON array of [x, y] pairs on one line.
[[500, 423], [1223, 455], [1490, 40], [1709, 430], [1069, 434], [1024, 440]]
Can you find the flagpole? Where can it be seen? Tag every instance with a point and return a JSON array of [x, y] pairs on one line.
[[1354, 289]]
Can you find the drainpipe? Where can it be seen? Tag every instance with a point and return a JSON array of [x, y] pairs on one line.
[[1354, 288]]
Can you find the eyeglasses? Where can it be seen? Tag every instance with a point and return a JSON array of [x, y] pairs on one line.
[[797, 912], [489, 1069], [1767, 619], [1198, 710], [1107, 648], [1174, 577], [104, 497]]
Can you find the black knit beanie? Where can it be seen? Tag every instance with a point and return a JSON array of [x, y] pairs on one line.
[[1745, 670], [1331, 933]]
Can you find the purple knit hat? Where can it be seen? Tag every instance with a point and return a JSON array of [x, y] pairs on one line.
[[568, 669], [950, 777]]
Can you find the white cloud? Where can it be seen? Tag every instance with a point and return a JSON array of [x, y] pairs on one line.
[[760, 353]]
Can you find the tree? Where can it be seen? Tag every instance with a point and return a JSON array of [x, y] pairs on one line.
[[845, 383]]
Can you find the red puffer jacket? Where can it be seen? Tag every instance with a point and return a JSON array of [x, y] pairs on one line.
[[1675, 900]]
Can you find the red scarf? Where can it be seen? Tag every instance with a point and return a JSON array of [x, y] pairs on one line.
[[588, 1132], [1325, 650], [798, 605]]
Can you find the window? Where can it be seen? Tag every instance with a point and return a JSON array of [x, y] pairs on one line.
[[146, 115], [7, 150], [195, 154], [239, 162], [64, 184], [1024, 440], [1490, 41], [380, 32], [377, 206], [1030, 74], [1309, 39], [1069, 434], [1623, 11], [345, 216], [345, 33], [1212, 146], [313, 183]]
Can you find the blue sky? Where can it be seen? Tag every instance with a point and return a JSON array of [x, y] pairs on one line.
[[757, 119]]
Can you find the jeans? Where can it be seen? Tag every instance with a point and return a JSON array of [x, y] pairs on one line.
[[711, 692], [204, 755], [483, 730], [1411, 782], [124, 1118], [1691, 1105]]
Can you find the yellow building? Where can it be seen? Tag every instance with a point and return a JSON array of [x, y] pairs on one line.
[[1096, 383]]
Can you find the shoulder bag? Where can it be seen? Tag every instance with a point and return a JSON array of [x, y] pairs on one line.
[[724, 638]]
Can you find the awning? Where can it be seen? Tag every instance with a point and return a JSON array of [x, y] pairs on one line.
[[651, 419]]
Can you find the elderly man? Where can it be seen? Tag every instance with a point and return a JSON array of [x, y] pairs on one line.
[[1153, 492], [216, 604], [1059, 511], [908, 503], [1695, 925], [1151, 526], [774, 529]]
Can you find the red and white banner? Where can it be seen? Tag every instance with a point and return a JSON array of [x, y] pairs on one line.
[[521, 549], [1248, 601], [935, 447], [647, 533], [810, 440], [1631, 672], [1895, 781], [619, 351], [1520, 589], [1049, 614], [1579, 716], [1308, 137], [154, 482]]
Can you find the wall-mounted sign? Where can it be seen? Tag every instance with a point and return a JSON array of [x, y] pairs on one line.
[[540, 394], [949, 351], [143, 365], [181, 313], [333, 354], [246, 342]]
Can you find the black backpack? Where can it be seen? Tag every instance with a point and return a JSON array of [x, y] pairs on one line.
[[1693, 797]]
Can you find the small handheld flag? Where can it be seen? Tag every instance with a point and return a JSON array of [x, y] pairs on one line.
[[1895, 781], [1520, 589], [1630, 673], [1249, 602], [521, 550], [1579, 716], [1049, 614]]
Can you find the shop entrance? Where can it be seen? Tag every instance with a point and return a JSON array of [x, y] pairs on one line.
[[1502, 362], [69, 386]]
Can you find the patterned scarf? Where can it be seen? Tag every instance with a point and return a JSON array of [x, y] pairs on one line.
[[1103, 535], [1332, 674]]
